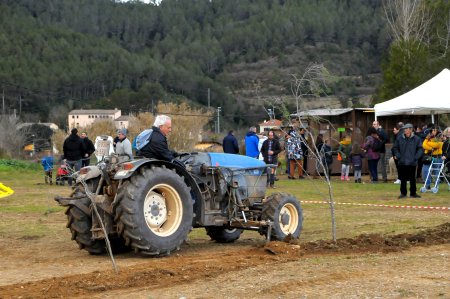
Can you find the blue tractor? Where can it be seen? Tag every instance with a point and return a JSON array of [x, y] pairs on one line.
[[150, 206]]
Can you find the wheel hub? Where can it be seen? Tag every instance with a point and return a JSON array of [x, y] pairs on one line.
[[285, 218], [288, 218], [155, 210]]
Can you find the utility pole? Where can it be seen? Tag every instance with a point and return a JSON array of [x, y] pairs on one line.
[[3, 101], [20, 105], [209, 97], [218, 119]]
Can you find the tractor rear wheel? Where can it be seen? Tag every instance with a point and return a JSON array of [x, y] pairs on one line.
[[286, 215], [80, 222], [223, 235], [155, 212]]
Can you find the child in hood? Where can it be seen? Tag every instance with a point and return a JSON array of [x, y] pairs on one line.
[[344, 150], [356, 156]]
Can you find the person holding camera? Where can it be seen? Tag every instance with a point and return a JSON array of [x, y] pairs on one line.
[[432, 146]]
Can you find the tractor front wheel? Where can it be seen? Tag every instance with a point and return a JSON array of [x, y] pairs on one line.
[[286, 215], [223, 235]]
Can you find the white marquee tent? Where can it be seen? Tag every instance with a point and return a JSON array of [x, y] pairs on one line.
[[429, 98]]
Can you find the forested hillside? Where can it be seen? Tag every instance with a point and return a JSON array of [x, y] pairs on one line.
[[64, 54]]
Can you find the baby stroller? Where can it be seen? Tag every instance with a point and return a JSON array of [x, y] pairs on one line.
[[62, 174], [435, 172]]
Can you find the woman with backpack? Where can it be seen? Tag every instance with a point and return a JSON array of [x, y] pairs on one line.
[[372, 148]]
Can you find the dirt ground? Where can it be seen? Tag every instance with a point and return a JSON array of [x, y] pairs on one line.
[[369, 266]]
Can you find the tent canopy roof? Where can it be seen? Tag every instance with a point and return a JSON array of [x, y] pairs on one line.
[[429, 98]]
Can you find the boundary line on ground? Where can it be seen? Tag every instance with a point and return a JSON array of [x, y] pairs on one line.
[[379, 205]]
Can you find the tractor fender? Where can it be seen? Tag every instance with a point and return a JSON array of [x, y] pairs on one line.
[[89, 172]]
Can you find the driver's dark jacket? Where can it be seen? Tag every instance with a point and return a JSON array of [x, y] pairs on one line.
[[157, 148], [407, 150]]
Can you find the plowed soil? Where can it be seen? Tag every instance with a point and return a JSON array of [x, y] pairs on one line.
[[368, 266]]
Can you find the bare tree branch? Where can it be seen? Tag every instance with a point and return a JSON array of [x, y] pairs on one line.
[[312, 82], [408, 20], [445, 39]]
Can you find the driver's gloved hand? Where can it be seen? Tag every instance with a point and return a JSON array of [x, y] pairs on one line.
[[175, 161]]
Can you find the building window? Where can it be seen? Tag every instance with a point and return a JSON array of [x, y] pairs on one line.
[[73, 116], [77, 116]]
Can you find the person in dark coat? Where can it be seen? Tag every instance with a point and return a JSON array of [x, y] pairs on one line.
[[270, 150], [89, 150], [305, 150], [158, 148], [73, 149], [407, 151], [382, 135], [116, 139], [372, 151], [446, 151], [230, 144], [397, 132]]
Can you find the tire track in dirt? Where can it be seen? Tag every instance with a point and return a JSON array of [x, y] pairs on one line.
[[203, 264]]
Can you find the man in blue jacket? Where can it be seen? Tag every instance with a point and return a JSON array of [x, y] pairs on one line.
[[407, 151], [251, 143]]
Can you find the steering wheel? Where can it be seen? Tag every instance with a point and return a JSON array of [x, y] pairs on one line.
[[183, 157]]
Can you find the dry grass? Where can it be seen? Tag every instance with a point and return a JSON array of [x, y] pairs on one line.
[[187, 125]]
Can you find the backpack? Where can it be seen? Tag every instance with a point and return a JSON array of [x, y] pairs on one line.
[[142, 139], [377, 144]]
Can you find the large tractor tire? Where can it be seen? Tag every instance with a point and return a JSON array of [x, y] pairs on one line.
[[285, 213], [223, 235], [155, 212], [80, 224]]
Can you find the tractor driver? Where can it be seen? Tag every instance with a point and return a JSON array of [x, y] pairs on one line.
[[157, 148]]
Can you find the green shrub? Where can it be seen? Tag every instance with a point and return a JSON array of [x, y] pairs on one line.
[[7, 164]]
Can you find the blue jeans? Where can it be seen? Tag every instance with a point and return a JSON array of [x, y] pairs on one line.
[[75, 166], [373, 166]]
